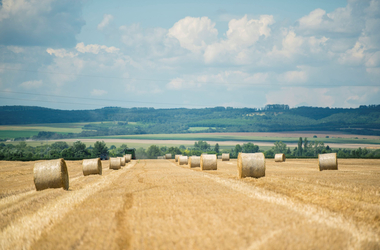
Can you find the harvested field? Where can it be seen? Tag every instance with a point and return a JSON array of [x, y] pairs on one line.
[[156, 204]]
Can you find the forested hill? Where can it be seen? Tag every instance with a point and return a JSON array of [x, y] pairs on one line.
[[364, 120]]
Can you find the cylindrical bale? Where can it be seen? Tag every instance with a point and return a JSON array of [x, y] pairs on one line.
[[161, 157], [208, 162], [122, 161], [51, 174], [168, 156], [92, 166], [219, 157], [182, 160], [194, 161], [128, 158], [328, 161], [251, 165], [225, 157], [176, 157], [115, 163], [279, 157]]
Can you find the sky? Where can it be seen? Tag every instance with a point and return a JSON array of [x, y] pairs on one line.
[[67, 54]]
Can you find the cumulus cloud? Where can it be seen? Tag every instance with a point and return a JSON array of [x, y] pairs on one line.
[[194, 33], [106, 20], [98, 92], [40, 22], [15, 49], [95, 48], [60, 53], [31, 84]]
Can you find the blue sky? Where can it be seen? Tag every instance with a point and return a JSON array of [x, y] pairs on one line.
[[89, 54]]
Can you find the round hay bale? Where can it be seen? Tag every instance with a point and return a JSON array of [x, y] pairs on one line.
[[168, 156], [92, 166], [161, 157], [194, 161], [251, 165], [327, 161], [225, 157], [115, 163], [219, 157], [208, 162], [51, 174], [176, 157], [279, 157], [122, 160], [182, 160], [128, 158]]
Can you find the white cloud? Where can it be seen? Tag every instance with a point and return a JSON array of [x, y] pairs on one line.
[[194, 33], [95, 48], [176, 84], [98, 92], [106, 20], [294, 77], [60, 53], [15, 49], [354, 55], [31, 84]]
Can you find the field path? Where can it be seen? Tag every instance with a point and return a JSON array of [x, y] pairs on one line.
[[155, 204]]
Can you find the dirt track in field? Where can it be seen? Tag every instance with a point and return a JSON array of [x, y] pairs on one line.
[[155, 204]]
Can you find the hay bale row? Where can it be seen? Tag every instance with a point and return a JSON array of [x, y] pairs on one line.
[[92, 166], [208, 162], [219, 157], [128, 158], [115, 163], [251, 165], [225, 157], [279, 157], [168, 156], [176, 157], [161, 157], [182, 160], [51, 174], [122, 161], [194, 161]]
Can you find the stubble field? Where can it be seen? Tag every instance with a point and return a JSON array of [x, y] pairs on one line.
[[156, 204]]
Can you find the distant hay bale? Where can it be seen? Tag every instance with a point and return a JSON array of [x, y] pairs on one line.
[[160, 157], [115, 163], [176, 157], [51, 174], [128, 158], [194, 161], [219, 157], [168, 156], [279, 157], [182, 160], [122, 160], [251, 165], [225, 157], [208, 162], [328, 161], [92, 166]]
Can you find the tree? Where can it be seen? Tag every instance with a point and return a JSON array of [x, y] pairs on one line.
[[237, 150], [250, 148], [202, 145], [141, 154], [99, 149], [182, 147], [112, 147], [279, 147], [174, 151], [299, 148], [153, 151], [59, 145], [216, 148], [79, 149]]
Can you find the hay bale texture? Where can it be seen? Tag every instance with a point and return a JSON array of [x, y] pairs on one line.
[[219, 157], [161, 157], [208, 162], [128, 158], [194, 161], [168, 156], [182, 160], [251, 165], [92, 166], [279, 157], [115, 163], [225, 157], [51, 174], [176, 157], [122, 160], [327, 161]]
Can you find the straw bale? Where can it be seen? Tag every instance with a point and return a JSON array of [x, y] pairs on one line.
[[168, 156], [327, 161], [219, 157], [176, 157], [115, 163], [161, 157], [279, 157], [128, 158], [122, 160], [251, 165], [194, 161], [92, 166], [225, 157], [51, 174], [208, 162], [182, 160]]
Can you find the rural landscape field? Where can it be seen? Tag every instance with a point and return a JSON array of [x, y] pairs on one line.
[[156, 204]]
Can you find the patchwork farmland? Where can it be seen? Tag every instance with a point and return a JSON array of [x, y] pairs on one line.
[[157, 204]]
